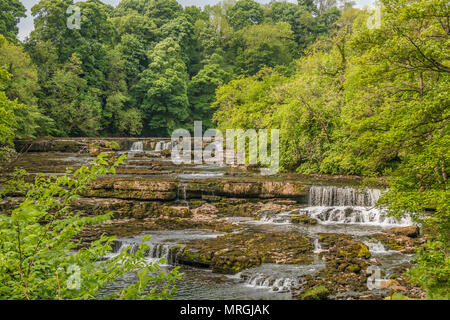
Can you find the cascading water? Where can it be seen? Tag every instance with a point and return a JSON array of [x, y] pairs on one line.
[[317, 246], [261, 280], [163, 145], [181, 193], [331, 204], [155, 253], [341, 205], [268, 217], [137, 146], [375, 246], [342, 196]]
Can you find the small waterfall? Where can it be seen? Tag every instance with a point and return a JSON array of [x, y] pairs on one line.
[[181, 193], [317, 246], [156, 252], [268, 217], [163, 145], [332, 204], [375, 246], [137, 146], [261, 280], [159, 251], [355, 215], [342, 196]]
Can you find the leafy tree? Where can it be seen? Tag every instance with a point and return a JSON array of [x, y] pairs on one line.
[[163, 11], [245, 13], [10, 13], [126, 7], [202, 90], [38, 245], [266, 45], [21, 86], [161, 92], [130, 122], [73, 105], [8, 119]]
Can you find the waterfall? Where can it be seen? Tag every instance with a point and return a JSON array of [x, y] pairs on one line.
[[375, 246], [137, 147], [275, 283], [160, 251], [355, 215], [317, 246], [341, 205], [163, 145], [155, 253], [181, 193], [268, 217], [342, 196]]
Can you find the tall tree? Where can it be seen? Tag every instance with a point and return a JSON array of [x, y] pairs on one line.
[[245, 13], [161, 92], [10, 13]]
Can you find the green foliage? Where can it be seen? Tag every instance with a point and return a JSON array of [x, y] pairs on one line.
[[266, 45], [10, 13], [106, 92], [368, 102], [245, 13], [161, 91], [39, 239]]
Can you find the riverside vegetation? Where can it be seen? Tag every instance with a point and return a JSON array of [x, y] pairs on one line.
[[348, 100]]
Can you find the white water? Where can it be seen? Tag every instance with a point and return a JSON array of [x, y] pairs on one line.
[[355, 215], [342, 196], [181, 193], [341, 205], [163, 145], [137, 147], [317, 246], [155, 253], [375, 246], [260, 280], [283, 217]]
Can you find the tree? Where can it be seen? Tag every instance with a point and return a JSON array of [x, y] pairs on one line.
[[245, 13], [398, 120], [161, 92], [202, 89], [267, 45], [73, 105], [10, 13], [8, 119], [21, 86], [163, 11]]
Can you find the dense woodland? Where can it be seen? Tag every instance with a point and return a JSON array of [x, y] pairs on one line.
[[348, 99]]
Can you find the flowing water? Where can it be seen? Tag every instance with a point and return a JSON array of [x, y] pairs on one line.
[[337, 209], [272, 281], [137, 147]]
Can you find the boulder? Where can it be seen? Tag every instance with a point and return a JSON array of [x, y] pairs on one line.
[[412, 231]]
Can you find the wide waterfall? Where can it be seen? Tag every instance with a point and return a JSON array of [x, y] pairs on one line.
[[156, 251], [332, 204], [137, 147], [273, 282], [163, 145], [342, 196], [340, 205]]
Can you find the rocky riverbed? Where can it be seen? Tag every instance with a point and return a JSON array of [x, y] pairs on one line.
[[236, 234]]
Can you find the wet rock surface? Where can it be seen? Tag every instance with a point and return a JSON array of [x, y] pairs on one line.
[[234, 252], [292, 223]]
